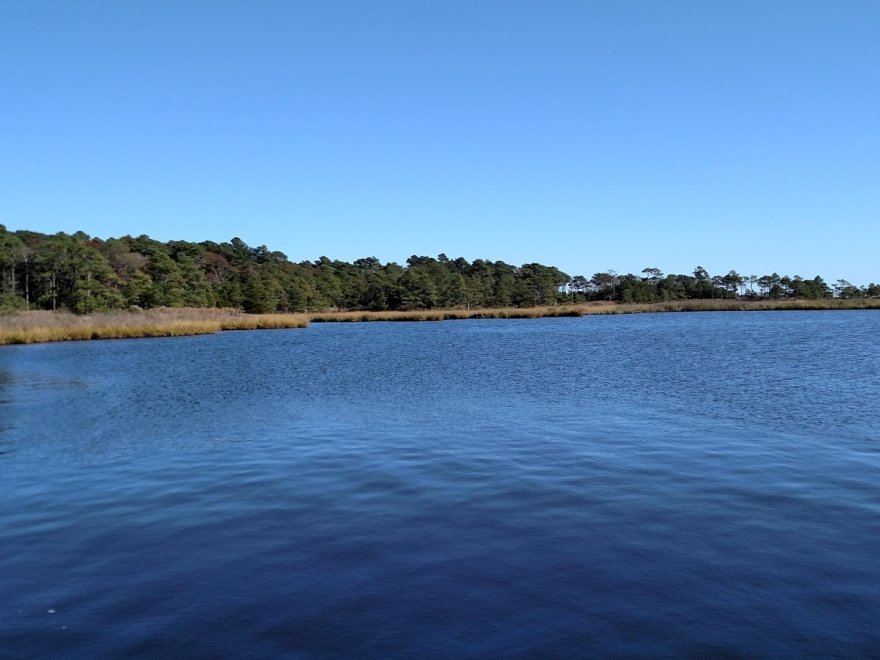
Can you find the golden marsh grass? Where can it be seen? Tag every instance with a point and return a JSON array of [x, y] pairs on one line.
[[730, 305], [448, 314], [40, 326], [593, 308], [37, 327]]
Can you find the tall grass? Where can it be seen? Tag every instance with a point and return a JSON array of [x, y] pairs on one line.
[[448, 314], [35, 327], [264, 322], [731, 305], [725, 305]]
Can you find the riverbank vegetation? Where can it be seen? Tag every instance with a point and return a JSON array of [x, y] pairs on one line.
[[85, 275], [450, 314], [599, 308], [43, 326]]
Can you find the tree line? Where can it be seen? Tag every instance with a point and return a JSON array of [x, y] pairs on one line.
[[83, 274]]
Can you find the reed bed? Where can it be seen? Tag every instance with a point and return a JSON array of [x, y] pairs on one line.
[[264, 322], [40, 326], [448, 314], [37, 327], [593, 308], [731, 305]]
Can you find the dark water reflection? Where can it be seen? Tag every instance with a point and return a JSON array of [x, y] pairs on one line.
[[670, 484]]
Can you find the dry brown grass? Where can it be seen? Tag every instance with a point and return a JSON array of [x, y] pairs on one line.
[[448, 314], [264, 322], [730, 305], [593, 308], [36, 327]]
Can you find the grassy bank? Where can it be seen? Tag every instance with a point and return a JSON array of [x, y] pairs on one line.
[[730, 305], [595, 308], [36, 327], [449, 314]]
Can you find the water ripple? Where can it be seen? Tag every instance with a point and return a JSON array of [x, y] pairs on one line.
[[658, 485]]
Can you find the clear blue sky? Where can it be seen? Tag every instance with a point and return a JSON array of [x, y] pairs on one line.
[[590, 135]]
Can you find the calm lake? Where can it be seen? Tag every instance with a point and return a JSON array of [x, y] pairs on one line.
[[669, 484]]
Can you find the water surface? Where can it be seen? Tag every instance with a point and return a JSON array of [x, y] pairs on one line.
[[658, 484]]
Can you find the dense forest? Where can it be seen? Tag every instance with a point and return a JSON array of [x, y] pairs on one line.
[[84, 274]]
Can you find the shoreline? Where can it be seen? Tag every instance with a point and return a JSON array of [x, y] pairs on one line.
[[44, 326]]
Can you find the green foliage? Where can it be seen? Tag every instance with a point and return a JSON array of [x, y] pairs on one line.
[[85, 275], [11, 303]]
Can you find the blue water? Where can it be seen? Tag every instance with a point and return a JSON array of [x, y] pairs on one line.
[[676, 484]]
